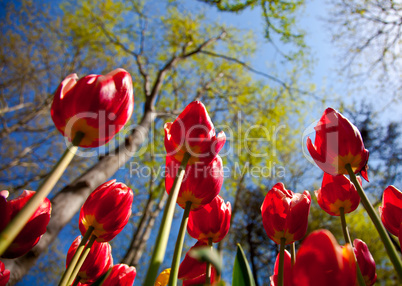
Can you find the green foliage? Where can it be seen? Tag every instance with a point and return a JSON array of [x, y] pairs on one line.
[[258, 115], [242, 275], [279, 17]]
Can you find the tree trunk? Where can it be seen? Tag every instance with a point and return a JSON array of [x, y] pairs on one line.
[[143, 232], [69, 200], [252, 252]]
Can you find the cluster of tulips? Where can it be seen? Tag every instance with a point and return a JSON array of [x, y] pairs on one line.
[[194, 177]]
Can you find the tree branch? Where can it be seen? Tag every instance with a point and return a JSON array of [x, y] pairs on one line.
[[70, 199], [246, 66]]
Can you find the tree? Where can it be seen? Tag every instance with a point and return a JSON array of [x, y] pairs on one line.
[[383, 142], [174, 57], [279, 17], [369, 33]]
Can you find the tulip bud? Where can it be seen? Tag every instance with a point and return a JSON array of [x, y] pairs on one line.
[[200, 280], [391, 210], [98, 261], [366, 262], [285, 214], [33, 230], [107, 209], [121, 274], [191, 268], [337, 143], [192, 271], [212, 221], [337, 192], [163, 278], [96, 105], [4, 274], [321, 261], [193, 132], [287, 270], [200, 185]]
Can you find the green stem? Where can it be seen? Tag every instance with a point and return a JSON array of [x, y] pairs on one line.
[[346, 235], [391, 251], [208, 272], [293, 253], [345, 227], [174, 269], [74, 260], [281, 261], [18, 222], [164, 229], [81, 260]]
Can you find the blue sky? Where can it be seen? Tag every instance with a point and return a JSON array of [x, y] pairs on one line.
[[323, 76]]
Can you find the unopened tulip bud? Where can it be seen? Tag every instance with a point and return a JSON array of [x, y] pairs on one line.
[[338, 143], [120, 274], [33, 230], [96, 105], [107, 210], [211, 222], [337, 192], [193, 132], [285, 214], [98, 261]]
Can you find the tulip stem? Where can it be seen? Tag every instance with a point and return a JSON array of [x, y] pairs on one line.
[[174, 269], [345, 227], [391, 251], [346, 235], [281, 261], [18, 222], [208, 272], [81, 259], [76, 256], [166, 223], [293, 253]]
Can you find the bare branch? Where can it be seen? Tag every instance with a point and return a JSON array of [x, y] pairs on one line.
[[246, 66], [15, 107]]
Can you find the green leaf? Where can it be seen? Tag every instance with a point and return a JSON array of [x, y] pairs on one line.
[[208, 254], [242, 275]]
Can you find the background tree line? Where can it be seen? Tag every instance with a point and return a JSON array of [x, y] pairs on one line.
[[176, 52]]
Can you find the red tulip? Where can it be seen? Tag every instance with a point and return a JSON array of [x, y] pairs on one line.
[[201, 183], [366, 262], [97, 105], [337, 192], [337, 143], [287, 271], [212, 221], [191, 268], [321, 261], [391, 210], [200, 280], [33, 229], [121, 274], [193, 132], [192, 271], [285, 214], [4, 274], [107, 209], [98, 261]]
